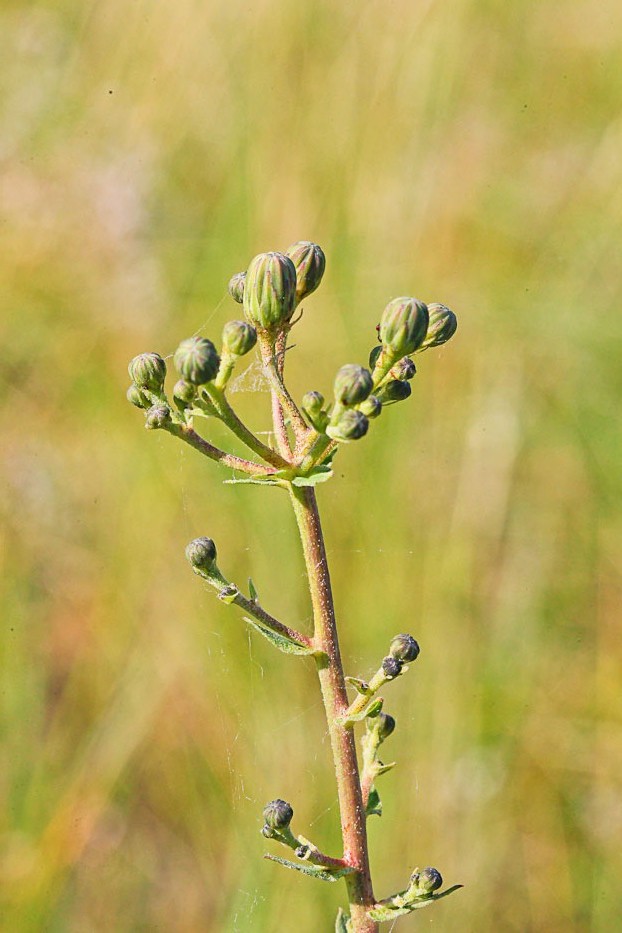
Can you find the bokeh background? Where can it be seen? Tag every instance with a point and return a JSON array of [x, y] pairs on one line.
[[467, 152]]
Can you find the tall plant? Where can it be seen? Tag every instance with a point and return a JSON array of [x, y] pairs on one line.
[[306, 439]]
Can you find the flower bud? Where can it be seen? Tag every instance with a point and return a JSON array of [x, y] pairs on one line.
[[137, 397], [238, 337], [270, 291], [403, 325], [351, 426], [157, 417], [371, 407], [394, 391], [392, 667], [352, 384], [201, 554], [148, 371], [312, 403], [309, 262], [236, 286], [384, 726], [404, 648], [196, 360], [277, 814], [426, 881], [442, 326], [374, 354], [404, 369], [184, 392]]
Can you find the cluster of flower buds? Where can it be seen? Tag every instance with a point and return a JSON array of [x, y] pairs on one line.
[[403, 649]]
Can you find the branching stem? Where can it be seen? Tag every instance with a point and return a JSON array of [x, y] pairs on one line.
[[333, 687], [190, 436]]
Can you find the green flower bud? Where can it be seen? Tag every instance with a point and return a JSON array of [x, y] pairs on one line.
[[394, 391], [312, 403], [404, 648], [196, 360], [270, 291], [148, 371], [374, 354], [277, 814], [184, 392], [157, 417], [392, 667], [426, 881], [442, 326], [404, 369], [371, 407], [384, 726], [403, 325], [201, 554], [352, 384], [137, 397], [351, 426], [238, 337], [310, 262], [236, 286]]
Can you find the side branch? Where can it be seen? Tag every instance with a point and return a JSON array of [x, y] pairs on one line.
[[190, 436]]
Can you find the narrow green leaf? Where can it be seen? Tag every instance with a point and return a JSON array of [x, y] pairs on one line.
[[282, 642], [342, 923], [382, 769], [374, 803], [361, 686], [313, 870], [371, 710], [319, 474], [252, 590]]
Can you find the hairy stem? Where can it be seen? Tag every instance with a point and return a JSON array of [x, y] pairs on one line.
[[227, 415], [333, 687], [273, 371], [199, 443]]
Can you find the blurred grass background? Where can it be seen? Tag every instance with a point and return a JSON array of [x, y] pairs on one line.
[[467, 152]]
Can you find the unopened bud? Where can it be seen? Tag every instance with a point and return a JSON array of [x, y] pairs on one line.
[[392, 667], [404, 369], [184, 392], [197, 360], [137, 397], [404, 648], [201, 554], [277, 814], [236, 286], [442, 326], [394, 391], [403, 325], [351, 426], [157, 417], [371, 407], [426, 881], [148, 371], [384, 726], [352, 384], [310, 262], [239, 337], [270, 291], [313, 408]]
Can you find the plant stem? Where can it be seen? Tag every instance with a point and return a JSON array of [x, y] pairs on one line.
[[199, 443], [333, 687], [230, 419], [287, 404]]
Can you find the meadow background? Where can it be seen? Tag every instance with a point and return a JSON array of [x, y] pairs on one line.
[[467, 152]]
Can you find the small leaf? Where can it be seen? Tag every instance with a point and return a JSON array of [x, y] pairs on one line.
[[314, 870], [282, 642], [361, 686], [252, 590], [382, 769], [342, 923], [229, 594], [374, 803], [372, 710], [319, 474], [268, 479]]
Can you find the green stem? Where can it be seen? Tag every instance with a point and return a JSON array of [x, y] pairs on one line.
[[333, 687], [271, 369], [227, 415], [362, 700], [199, 443]]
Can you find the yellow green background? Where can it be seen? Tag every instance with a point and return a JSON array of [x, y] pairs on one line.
[[466, 152]]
